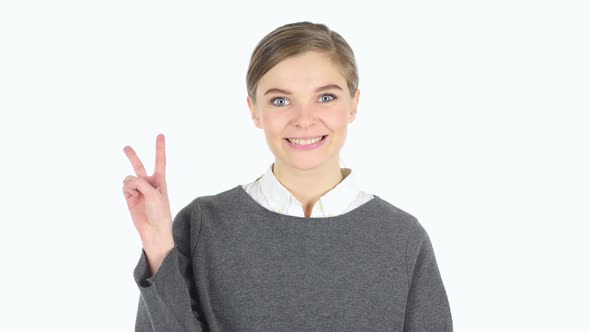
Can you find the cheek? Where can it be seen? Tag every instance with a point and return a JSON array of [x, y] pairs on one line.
[[273, 123], [336, 120]]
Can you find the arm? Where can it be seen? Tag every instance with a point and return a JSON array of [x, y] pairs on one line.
[[167, 298], [427, 306]]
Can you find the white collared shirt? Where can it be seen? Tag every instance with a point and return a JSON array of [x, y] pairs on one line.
[[271, 194]]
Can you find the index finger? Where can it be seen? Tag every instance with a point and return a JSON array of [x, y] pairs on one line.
[[135, 162]]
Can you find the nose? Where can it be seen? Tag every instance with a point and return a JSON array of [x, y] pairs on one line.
[[304, 116]]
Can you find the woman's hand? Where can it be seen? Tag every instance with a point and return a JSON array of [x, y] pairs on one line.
[[147, 200]]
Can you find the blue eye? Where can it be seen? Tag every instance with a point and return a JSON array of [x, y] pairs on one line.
[[329, 95], [278, 98], [284, 102]]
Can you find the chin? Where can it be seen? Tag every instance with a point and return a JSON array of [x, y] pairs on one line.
[[305, 164]]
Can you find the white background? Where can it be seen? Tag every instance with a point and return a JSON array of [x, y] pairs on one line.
[[473, 117]]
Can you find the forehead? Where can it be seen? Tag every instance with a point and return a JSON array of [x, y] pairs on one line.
[[303, 71]]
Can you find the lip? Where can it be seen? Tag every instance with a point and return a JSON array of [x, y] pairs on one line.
[[306, 137], [309, 146]]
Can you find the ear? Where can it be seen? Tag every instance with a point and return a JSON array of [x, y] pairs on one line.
[[253, 112], [355, 103]]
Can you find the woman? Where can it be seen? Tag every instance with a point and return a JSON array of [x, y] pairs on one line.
[[300, 248]]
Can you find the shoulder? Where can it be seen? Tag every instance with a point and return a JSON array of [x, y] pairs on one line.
[[405, 224], [219, 200], [187, 222], [411, 232], [215, 204], [394, 214]]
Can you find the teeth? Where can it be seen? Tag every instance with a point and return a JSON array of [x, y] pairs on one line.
[[305, 142]]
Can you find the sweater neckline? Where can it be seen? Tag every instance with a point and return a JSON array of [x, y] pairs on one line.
[[361, 209]]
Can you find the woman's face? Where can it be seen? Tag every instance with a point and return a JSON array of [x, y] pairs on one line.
[[304, 96]]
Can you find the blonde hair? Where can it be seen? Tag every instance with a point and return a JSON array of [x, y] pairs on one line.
[[296, 38]]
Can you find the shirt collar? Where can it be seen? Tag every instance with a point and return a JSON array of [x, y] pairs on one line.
[[332, 203]]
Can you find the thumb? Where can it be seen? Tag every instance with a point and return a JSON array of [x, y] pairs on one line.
[[141, 185]]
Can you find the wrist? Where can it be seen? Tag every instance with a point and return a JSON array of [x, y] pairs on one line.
[[159, 248], [155, 256]]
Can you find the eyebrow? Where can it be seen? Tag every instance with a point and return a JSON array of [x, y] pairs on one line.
[[322, 88]]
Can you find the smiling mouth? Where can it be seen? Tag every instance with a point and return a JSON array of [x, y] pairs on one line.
[[291, 140]]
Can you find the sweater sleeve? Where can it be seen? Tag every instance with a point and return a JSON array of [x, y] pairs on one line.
[[427, 306], [167, 300]]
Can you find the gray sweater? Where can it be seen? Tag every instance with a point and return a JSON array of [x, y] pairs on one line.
[[237, 266]]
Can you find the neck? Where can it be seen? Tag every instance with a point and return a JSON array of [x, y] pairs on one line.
[[308, 185]]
